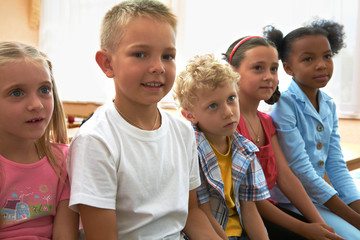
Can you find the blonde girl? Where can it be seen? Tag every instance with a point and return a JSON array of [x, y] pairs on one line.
[[34, 185]]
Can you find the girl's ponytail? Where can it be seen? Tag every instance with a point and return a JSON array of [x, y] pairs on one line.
[[335, 33], [275, 36]]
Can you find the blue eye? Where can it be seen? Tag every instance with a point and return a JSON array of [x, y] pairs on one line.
[[168, 57], [231, 98], [139, 55], [16, 93], [45, 90], [212, 106]]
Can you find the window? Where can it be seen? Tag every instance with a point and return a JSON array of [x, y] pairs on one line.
[[69, 34]]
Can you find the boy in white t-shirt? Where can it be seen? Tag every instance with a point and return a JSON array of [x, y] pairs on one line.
[[133, 167]]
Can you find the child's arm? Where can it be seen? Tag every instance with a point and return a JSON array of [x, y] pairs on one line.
[[253, 224], [98, 223], [198, 225], [217, 227], [355, 206], [290, 185], [336, 205], [66, 222], [308, 230]]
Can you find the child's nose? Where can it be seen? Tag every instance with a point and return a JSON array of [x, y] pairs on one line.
[[320, 64], [34, 103], [228, 111], [268, 75], [157, 66]]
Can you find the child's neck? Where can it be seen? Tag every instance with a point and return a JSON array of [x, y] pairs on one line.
[[313, 98], [249, 109], [142, 117], [312, 95], [25, 153], [223, 150], [247, 106], [220, 144]]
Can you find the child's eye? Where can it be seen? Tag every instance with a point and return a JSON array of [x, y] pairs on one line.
[[308, 59], [328, 56], [45, 90], [274, 69], [231, 98], [212, 106], [258, 68], [168, 57], [139, 55], [16, 93]]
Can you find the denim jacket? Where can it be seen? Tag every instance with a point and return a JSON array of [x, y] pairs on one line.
[[311, 144]]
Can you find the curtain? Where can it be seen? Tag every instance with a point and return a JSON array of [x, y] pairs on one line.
[[34, 15], [69, 33]]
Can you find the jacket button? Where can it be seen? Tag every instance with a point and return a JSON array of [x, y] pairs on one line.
[[319, 128], [319, 146], [321, 163]]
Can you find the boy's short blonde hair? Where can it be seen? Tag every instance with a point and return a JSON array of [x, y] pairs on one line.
[[116, 19], [202, 72]]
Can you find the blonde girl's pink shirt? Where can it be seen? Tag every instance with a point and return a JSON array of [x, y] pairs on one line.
[[29, 196]]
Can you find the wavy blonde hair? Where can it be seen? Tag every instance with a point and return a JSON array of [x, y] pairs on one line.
[[12, 52], [116, 19], [202, 72]]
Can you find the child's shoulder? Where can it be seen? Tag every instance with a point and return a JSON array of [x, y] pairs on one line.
[[99, 120], [244, 144], [62, 147], [175, 120], [264, 116]]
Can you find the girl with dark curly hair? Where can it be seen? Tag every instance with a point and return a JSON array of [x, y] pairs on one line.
[[307, 125]]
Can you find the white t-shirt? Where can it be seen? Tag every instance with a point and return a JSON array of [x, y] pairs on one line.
[[145, 175]]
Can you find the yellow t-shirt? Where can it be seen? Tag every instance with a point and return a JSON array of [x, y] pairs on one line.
[[233, 226]]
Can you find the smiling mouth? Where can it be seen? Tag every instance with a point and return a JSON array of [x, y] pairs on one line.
[[152, 84]]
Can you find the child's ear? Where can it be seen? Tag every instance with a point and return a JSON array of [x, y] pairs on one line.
[[188, 116], [103, 59], [287, 69]]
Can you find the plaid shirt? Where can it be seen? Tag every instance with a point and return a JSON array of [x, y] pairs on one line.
[[248, 179]]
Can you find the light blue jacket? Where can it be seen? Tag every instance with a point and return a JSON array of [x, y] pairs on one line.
[[311, 144]]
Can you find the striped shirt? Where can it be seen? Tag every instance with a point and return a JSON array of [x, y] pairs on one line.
[[248, 179]]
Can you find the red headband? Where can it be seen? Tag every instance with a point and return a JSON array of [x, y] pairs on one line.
[[238, 45]]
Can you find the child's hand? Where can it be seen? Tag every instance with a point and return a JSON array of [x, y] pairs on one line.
[[320, 231]]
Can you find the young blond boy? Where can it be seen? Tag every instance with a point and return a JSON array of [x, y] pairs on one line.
[[134, 167], [230, 171]]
